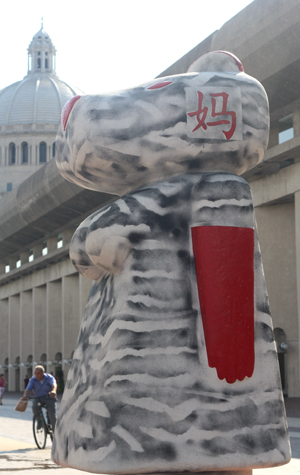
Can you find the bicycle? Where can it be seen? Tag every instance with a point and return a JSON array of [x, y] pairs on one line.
[[41, 424]]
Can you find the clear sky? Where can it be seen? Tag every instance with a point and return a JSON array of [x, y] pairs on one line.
[[104, 45]]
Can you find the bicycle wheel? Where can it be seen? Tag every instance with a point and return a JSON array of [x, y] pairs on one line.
[[49, 427], [39, 431]]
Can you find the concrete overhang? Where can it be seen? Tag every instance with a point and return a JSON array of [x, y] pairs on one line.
[[265, 36], [42, 204], [276, 158]]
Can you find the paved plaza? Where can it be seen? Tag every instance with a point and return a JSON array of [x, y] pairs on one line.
[[18, 452]]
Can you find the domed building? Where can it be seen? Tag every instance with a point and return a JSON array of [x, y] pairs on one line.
[[30, 114]]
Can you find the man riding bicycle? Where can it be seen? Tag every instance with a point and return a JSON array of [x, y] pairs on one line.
[[43, 385]]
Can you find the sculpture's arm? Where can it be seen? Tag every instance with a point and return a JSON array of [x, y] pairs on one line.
[[103, 241], [78, 253]]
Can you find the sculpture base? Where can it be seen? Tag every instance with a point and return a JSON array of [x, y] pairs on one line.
[[230, 472]]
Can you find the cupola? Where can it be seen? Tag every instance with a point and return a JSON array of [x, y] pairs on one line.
[[41, 53]]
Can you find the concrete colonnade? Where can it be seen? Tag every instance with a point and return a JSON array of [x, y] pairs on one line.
[[41, 322], [277, 207], [277, 237], [297, 246]]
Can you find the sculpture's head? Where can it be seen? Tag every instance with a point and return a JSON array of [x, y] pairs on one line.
[[213, 118]]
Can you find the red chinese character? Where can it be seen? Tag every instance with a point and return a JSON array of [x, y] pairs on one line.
[[201, 119], [225, 96]]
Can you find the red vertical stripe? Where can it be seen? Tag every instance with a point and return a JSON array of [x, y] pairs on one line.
[[224, 259]]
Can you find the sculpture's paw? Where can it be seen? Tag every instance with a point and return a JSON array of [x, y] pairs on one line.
[[111, 255]]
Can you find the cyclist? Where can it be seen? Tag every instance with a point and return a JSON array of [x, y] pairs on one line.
[[43, 385]]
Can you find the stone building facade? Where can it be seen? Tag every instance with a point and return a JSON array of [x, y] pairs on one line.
[[42, 297], [30, 113]]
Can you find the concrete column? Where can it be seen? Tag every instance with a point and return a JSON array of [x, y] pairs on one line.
[[13, 339], [4, 331], [39, 322], [70, 317], [2, 268], [54, 321], [276, 231], [26, 334], [38, 251], [12, 262], [24, 257], [67, 235], [296, 122], [295, 347], [52, 243], [273, 137]]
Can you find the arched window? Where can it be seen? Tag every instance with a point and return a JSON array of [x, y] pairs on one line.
[[16, 366], [24, 152], [29, 368], [53, 149], [58, 359], [12, 153], [282, 348], [43, 152], [6, 363], [43, 359], [280, 339], [39, 63], [46, 63]]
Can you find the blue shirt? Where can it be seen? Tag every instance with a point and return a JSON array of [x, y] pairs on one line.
[[41, 388]]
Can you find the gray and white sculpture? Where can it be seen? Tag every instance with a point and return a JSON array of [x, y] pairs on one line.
[[175, 367]]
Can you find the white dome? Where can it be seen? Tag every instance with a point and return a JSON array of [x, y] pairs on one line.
[[38, 99], [30, 112], [41, 37], [41, 95]]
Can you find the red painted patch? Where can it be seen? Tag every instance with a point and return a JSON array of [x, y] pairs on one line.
[[237, 61], [159, 85], [67, 110], [224, 259]]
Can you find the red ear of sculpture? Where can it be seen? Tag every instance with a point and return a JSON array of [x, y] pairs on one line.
[[160, 85], [66, 111], [217, 61], [224, 259]]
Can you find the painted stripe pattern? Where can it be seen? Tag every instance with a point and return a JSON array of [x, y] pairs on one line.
[[116, 143], [140, 395]]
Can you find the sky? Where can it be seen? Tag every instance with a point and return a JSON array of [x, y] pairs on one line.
[[106, 45]]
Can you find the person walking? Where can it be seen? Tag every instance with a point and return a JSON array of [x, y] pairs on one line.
[[3, 382], [44, 387]]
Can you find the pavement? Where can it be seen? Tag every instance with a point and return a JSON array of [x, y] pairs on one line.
[[18, 452]]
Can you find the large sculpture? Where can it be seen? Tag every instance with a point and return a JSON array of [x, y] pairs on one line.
[[175, 367]]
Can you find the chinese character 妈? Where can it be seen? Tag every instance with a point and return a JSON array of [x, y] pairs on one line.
[[201, 114]]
